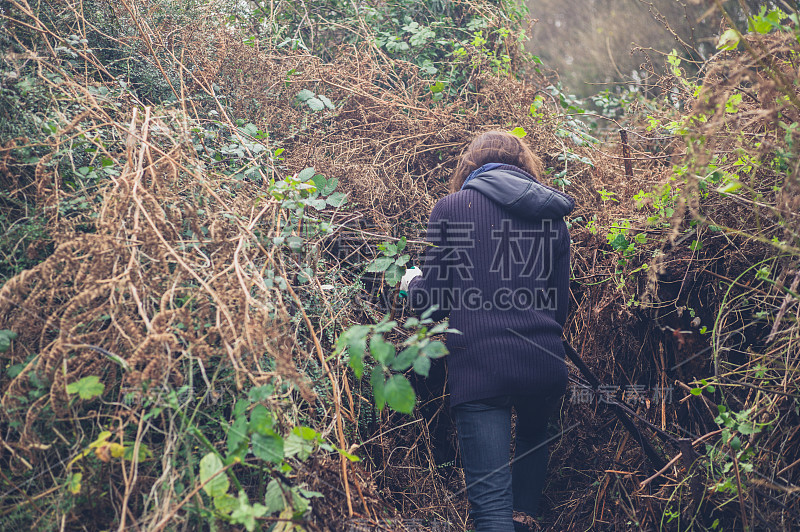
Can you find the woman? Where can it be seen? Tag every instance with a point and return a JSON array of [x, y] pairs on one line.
[[499, 268]]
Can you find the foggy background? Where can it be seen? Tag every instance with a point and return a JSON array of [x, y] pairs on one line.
[[590, 42]]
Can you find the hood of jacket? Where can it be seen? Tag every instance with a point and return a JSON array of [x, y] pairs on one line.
[[518, 192]]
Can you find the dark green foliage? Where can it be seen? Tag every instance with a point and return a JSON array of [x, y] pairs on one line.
[[446, 40]]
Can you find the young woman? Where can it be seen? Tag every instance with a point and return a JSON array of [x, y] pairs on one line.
[[499, 268]]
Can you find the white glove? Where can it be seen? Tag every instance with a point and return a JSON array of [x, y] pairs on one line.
[[406, 279]]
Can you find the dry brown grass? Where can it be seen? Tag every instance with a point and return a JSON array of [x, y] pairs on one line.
[[137, 301]]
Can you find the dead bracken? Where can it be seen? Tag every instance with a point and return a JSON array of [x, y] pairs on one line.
[[170, 271]]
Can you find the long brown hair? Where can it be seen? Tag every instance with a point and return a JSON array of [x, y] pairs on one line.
[[495, 147]]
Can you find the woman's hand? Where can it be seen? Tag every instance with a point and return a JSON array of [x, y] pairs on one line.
[[406, 279]]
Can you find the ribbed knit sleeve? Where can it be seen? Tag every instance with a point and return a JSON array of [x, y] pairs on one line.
[[559, 278], [429, 288]]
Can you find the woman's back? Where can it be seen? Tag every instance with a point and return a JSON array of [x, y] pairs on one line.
[[499, 267], [500, 270]]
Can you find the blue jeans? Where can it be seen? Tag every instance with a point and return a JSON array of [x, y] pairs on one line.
[[496, 485]]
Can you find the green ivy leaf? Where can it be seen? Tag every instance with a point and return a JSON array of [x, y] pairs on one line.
[[422, 366], [620, 242], [74, 483], [5, 339], [305, 95], [748, 428], [411, 322], [405, 358], [388, 249], [378, 383], [237, 435], [250, 129], [399, 394], [382, 351], [297, 444], [306, 174], [732, 105], [225, 503], [332, 182], [351, 457], [319, 183], [394, 274], [324, 186], [211, 465], [307, 433], [439, 328], [730, 188], [87, 388], [428, 313], [240, 408], [261, 421], [326, 101], [356, 350], [729, 40], [144, 453], [380, 264], [274, 498], [519, 132], [315, 104], [245, 514], [268, 448], [759, 24], [435, 349], [385, 325], [318, 204], [337, 199], [352, 335]]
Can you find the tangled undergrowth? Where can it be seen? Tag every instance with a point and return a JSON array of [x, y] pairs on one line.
[[199, 230]]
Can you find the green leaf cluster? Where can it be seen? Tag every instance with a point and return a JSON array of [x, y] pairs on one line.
[[254, 430], [317, 102], [306, 191], [86, 388], [6, 337], [738, 436], [392, 261], [389, 386]]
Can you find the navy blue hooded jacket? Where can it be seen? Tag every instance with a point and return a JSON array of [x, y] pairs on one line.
[[499, 268]]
